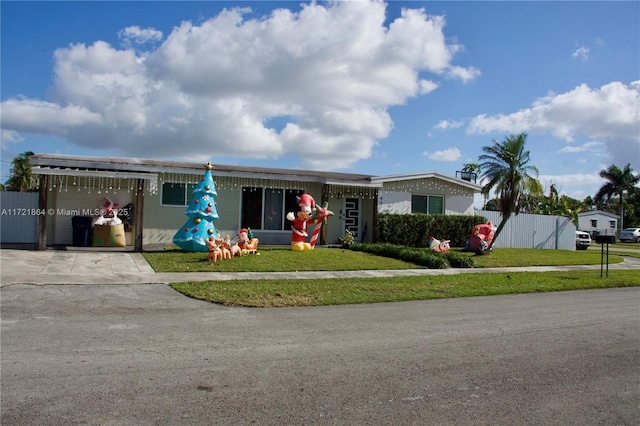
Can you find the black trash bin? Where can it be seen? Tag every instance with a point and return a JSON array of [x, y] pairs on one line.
[[81, 230]]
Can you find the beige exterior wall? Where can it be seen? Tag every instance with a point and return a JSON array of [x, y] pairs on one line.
[[456, 204], [162, 222], [396, 196]]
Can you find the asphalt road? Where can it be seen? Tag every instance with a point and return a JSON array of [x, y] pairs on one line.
[[144, 355]]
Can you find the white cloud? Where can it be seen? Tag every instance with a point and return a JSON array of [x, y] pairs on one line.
[[581, 53], [136, 35], [25, 115], [574, 185], [328, 73], [592, 146], [465, 74], [570, 180], [446, 124], [8, 137], [610, 114], [427, 86], [449, 154]]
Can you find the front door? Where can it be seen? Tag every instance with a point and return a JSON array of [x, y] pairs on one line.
[[351, 216]]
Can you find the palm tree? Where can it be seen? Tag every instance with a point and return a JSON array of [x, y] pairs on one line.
[[587, 203], [21, 179], [471, 168], [620, 182], [505, 168], [470, 171]]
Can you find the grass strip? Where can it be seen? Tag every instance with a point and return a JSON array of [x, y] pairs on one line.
[[283, 259], [623, 253], [274, 259], [337, 291]]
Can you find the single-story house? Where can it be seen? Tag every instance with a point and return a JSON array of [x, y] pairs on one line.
[[429, 193], [598, 222], [247, 197]]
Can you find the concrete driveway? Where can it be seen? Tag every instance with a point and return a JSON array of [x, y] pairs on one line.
[[143, 354]]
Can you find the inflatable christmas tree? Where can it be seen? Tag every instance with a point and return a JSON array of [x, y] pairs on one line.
[[202, 212]]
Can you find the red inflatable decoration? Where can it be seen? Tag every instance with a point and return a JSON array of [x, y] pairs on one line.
[[481, 236], [308, 214]]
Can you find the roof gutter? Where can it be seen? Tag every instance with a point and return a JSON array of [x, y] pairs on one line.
[[92, 173]]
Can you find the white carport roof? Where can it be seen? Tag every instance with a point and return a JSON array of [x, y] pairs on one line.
[[54, 164]]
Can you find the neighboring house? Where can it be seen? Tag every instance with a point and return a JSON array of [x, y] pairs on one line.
[[597, 222], [253, 197], [430, 193]]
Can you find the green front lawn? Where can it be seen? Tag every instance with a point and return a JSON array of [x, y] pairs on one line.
[[283, 259], [337, 291], [306, 292], [274, 259], [536, 257]]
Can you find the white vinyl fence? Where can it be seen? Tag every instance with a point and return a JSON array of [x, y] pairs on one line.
[[19, 220], [533, 231]]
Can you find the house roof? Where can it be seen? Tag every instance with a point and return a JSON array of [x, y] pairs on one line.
[[426, 175], [598, 213], [142, 168]]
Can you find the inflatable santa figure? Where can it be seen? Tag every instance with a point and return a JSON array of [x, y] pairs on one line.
[[299, 232]]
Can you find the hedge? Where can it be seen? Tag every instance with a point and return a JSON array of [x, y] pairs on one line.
[[414, 230], [419, 256]]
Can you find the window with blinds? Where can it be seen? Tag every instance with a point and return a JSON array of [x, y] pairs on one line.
[[427, 204], [176, 194]]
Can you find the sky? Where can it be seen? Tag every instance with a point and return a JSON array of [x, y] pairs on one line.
[[368, 87]]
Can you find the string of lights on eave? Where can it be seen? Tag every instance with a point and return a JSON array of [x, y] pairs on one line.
[[117, 182]]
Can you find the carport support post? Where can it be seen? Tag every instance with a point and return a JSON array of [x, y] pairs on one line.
[[374, 228], [138, 212], [323, 231], [43, 198]]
